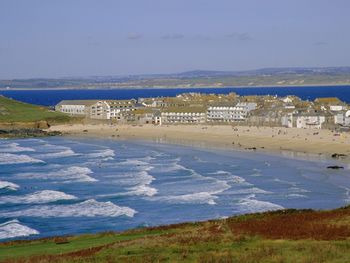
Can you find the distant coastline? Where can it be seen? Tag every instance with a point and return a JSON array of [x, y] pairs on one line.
[[184, 87]]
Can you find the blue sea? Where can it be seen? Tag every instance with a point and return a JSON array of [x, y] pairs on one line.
[[52, 97], [65, 185]]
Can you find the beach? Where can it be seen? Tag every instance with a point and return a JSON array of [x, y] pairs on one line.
[[275, 139]]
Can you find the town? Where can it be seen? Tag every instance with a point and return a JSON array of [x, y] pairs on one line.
[[199, 108]]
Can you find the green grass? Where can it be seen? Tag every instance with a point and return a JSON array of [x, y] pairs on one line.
[[15, 111], [283, 236]]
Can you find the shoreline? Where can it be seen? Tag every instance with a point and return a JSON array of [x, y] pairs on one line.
[[287, 141], [184, 87]]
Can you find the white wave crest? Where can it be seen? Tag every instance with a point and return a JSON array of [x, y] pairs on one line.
[[13, 228], [39, 197], [66, 175], [8, 185], [220, 172], [107, 153], [196, 198], [144, 190], [15, 147], [252, 190], [8, 158], [251, 205], [88, 208], [64, 153]]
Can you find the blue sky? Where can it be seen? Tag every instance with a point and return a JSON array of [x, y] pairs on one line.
[[55, 38]]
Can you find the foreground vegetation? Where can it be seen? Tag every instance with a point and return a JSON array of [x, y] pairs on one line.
[[281, 236]]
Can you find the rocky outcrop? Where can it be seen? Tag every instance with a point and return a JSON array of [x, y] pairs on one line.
[[26, 133]]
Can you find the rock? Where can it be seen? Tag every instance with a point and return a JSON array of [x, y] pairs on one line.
[[338, 155], [42, 125], [335, 167], [251, 148]]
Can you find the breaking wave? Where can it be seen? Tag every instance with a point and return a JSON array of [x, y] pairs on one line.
[[66, 175], [107, 153], [14, 228], [196, 198], [88, 208], [39, 197], [9, 158], [64, 153], [8, 185], [251, 205], [14, 147]]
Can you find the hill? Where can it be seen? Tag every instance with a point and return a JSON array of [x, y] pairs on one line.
[[298, 76], [280, 236], [15, 111]]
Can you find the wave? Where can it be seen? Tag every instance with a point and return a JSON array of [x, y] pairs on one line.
[[252, 190], [8, 185], [196, 198], [14, 147], [107, 153], [133, 162], [144, 190], [39, 197], [14, 228], [252, 205], [140, 182], [88, 208], [64, 153], [9, 158], [66, 175], [296, 196], [219, 172]]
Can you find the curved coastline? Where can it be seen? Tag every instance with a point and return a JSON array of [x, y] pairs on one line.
[[287, 141]]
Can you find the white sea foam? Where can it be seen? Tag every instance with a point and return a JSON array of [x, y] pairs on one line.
[[252, 190], [8, 185], [63, 153], [9, 158], [296, 196], [88, 208], [133, 162], [142, 189], [220, 172], [14, 147], [39, 197], [65, 175], [251, 205], [106, 153], [14, 228], [140, 182], [194, 198]]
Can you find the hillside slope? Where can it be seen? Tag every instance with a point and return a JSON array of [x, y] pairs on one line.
[[15, 111]]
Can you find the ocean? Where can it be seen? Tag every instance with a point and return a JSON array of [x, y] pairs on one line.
[[52, 97], [65, 185]]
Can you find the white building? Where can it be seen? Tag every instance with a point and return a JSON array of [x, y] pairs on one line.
[[74, 107], [230, 113], [310, 121], [190, 115], [342, 118], [96, 109]]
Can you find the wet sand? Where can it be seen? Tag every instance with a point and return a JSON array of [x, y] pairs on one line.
[[307, 141]]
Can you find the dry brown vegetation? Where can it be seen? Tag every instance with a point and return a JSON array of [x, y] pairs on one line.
[[282, 236]]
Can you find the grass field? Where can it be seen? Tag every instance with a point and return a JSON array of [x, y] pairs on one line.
[[282, 236], [15, 111]]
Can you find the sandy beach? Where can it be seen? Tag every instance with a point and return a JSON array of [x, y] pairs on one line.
[[308, 141]]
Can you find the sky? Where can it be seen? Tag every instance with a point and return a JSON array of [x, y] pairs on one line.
[[64, 38]]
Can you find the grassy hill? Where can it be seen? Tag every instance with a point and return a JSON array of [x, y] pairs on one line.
[[281, 236], [15, 111]]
